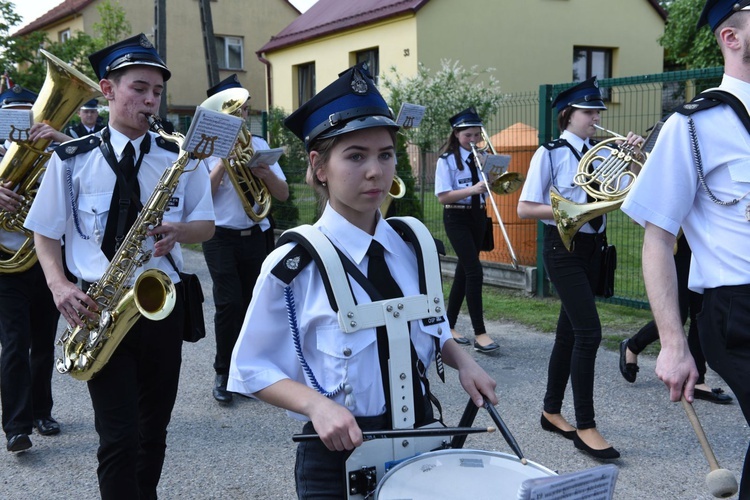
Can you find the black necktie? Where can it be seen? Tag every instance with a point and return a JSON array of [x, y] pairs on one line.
[[380, 276], [597, 221], [121, 204], [475, 199]]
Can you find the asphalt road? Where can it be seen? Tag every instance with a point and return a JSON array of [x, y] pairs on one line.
[[245, 451]]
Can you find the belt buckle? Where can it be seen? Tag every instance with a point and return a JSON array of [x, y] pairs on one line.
[[246, 232]]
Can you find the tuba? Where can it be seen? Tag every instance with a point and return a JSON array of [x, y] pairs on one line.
[[87, 349], [64, 90], [605, 178], [250, 189], [397, 191]]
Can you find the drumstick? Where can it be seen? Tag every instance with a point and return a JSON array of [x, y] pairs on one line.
[[505, 431], [720, 482], [396, 433]]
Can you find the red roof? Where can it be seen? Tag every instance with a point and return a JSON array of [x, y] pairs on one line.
[[331, 16], [64, 9]]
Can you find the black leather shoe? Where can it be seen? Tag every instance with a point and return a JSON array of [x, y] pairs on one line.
[[220, 389], [629, 371], [19, 442], [714, 395], [549, 426], [462, 340], [491, 347], [47, 426], [605, 454]]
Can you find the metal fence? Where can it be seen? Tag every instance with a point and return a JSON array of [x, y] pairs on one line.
[[517, 129]]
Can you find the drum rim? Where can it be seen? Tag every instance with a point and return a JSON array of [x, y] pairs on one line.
[[454, 451]]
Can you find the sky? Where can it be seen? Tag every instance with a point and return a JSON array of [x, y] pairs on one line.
[[34, 9]]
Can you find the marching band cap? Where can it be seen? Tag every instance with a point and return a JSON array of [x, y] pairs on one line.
[[17, 96], [136, 50], [466, 118], [716, 12], [92, 104], [230, 82], [584, 95], [350, 103]]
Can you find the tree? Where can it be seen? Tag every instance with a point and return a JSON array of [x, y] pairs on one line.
[[114, 26], [20, 55], [686, 45], [445, 93], [294, 164]]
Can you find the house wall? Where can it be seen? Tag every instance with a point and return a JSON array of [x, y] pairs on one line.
[[333, 54], [530, 43]]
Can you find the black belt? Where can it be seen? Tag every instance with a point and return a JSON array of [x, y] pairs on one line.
[[461, 206], [225, 231]]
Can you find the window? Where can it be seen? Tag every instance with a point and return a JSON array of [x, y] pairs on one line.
[[371, 58], [305, 82], [229, 52], [589, 61], [63, 36]]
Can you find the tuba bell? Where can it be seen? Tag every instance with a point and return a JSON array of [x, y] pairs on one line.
[[64, 90], [605, 178], [250, 189]]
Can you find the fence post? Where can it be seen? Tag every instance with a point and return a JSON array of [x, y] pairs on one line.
[[545, 134]]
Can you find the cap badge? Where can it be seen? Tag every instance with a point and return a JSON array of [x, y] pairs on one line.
[[145, 43], [359, 85], [596, 83], [17, 89]]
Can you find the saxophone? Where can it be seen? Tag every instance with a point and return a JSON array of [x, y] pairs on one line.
[[86, 350]]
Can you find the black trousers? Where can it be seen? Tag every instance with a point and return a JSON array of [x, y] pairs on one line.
[[465, 230], [725, 339], [133, 397], [575, 276], [690, 305], [28, 326], [234, 262]]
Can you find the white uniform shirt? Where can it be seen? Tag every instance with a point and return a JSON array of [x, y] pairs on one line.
[[229, 210], [88, 181], [556, 167], [669, 195], [264, 353], [449, 178]]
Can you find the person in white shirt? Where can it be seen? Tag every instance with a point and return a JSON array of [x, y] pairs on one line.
[[292, 351], [696, 179]]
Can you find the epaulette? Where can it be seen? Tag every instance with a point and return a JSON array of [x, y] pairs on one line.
[[168, 145], [445, 155], [697, 104], [292, 264], [557, 143], [75, 147]]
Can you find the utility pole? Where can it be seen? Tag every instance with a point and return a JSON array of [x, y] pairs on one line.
[[209, 43], [160, 37]]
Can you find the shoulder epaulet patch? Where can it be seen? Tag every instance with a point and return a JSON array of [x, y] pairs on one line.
[[697, 104], [75, 147], [445, 155], [557, 143], [292, 264], [168, 145]]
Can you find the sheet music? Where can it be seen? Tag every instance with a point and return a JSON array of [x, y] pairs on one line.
[[15, 124], [495, 165], [267, 156], [212, 133], [597, 483], [410, 115]]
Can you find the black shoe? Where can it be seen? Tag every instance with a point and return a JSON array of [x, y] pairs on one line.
[[220, 389], [47, 426], [714, 395], [629, 371], [491, 347], [462, 340], [605, 454], [19, 442], [549, 426]]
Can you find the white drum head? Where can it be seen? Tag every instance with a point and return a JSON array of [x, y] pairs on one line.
[[472, 474]]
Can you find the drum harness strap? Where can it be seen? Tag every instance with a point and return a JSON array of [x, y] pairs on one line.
[[394, 314]]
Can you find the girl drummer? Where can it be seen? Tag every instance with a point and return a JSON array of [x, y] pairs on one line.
[[350, 138]]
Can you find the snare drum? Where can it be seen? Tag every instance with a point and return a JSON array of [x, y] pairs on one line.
[[473, 474]]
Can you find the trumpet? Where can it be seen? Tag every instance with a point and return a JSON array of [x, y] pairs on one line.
[[397, 191], [606, 179], [513, 258]]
